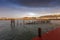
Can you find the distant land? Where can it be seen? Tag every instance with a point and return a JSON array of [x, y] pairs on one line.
[[31, 18]]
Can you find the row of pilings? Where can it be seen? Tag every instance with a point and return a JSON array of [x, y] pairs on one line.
[[13, 22], [13, 27]]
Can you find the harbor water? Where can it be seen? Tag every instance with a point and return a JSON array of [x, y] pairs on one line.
[[23, 31]]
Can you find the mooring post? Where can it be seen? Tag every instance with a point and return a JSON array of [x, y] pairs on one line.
[[12, 24], [17, 23], [39, 32]]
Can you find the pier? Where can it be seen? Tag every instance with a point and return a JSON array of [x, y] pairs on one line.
[[12, 20]]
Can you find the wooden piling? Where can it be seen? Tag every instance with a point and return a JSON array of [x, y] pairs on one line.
[[12, 24], [39, 32]]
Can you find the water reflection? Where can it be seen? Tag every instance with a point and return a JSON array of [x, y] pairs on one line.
[[23, 31]]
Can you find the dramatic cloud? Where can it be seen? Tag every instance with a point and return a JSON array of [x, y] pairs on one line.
[[37, 3], [21, 8], [33, 3]]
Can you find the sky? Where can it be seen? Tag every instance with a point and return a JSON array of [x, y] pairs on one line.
[[28, 8]]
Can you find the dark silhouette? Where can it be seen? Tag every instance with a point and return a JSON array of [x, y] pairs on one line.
[[39, 32], [12, 24]]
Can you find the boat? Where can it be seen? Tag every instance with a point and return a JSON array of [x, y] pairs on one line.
[[38, 22]]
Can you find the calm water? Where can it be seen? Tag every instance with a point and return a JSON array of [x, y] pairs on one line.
[[23, 31]]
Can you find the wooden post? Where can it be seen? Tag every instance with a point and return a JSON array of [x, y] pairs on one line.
[[39, 32], [12, 24], [17, 23]]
